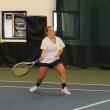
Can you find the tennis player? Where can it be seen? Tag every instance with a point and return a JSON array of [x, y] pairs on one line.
[[52, 48]]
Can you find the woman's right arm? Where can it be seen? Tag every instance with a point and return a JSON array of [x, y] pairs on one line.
[[43, 54]]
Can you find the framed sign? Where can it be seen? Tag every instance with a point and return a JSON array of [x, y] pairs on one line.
[[14, 26]]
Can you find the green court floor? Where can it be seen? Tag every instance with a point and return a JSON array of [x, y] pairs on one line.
[[75, 75]]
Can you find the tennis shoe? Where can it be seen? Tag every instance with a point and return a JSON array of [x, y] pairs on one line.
[[65, 91], [33, 89]]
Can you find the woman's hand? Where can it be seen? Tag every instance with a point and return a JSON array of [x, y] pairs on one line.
[[57, 56], [41, 58], [60, 51]]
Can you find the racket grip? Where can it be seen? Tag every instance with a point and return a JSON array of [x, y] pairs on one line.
[[36, 61]]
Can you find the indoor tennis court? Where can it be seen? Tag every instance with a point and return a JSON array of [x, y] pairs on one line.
[[15, 95], [86, 94], [65, 44]]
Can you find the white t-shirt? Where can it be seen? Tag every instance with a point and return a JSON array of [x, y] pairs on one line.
[[51, 49]]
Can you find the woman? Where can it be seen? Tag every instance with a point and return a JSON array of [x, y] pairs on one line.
[[52, 48]]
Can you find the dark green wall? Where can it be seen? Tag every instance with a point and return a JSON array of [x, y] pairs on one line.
[[95, 22]]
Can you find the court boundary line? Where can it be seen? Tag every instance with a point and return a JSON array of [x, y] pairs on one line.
[[79, 108], [27, 87], [56, 83], [93, 104]]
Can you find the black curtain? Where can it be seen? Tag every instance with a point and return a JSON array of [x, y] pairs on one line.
[[35, 28], [67, 5], [86, 33], [12, 53]]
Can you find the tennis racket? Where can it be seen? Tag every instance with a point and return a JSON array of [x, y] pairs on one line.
[[22, 68]]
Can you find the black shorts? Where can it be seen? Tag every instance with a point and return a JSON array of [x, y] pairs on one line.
[[51, 65]]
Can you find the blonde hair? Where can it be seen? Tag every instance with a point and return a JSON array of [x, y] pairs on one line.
[[46, 30]]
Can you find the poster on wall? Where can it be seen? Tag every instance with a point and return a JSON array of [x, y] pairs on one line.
[[14, 26], [8, 25], [19, 26], [0, 25]]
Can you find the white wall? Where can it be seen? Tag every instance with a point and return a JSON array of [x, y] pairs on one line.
[[33, 7]]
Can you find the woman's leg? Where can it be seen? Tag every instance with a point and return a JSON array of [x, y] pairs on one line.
[[41, 75], [62, 71]]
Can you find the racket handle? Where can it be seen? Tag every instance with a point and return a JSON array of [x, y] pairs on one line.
[[36, 61]]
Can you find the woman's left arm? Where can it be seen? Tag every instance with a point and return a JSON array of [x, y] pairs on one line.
[[60, 51]]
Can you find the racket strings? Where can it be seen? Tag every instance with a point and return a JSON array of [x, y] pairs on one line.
[[20, 69]]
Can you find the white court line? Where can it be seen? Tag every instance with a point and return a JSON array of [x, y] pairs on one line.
[[80, 108], [24, 87], [91, 90], [14, 87], [57, 83], [91, 105]]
